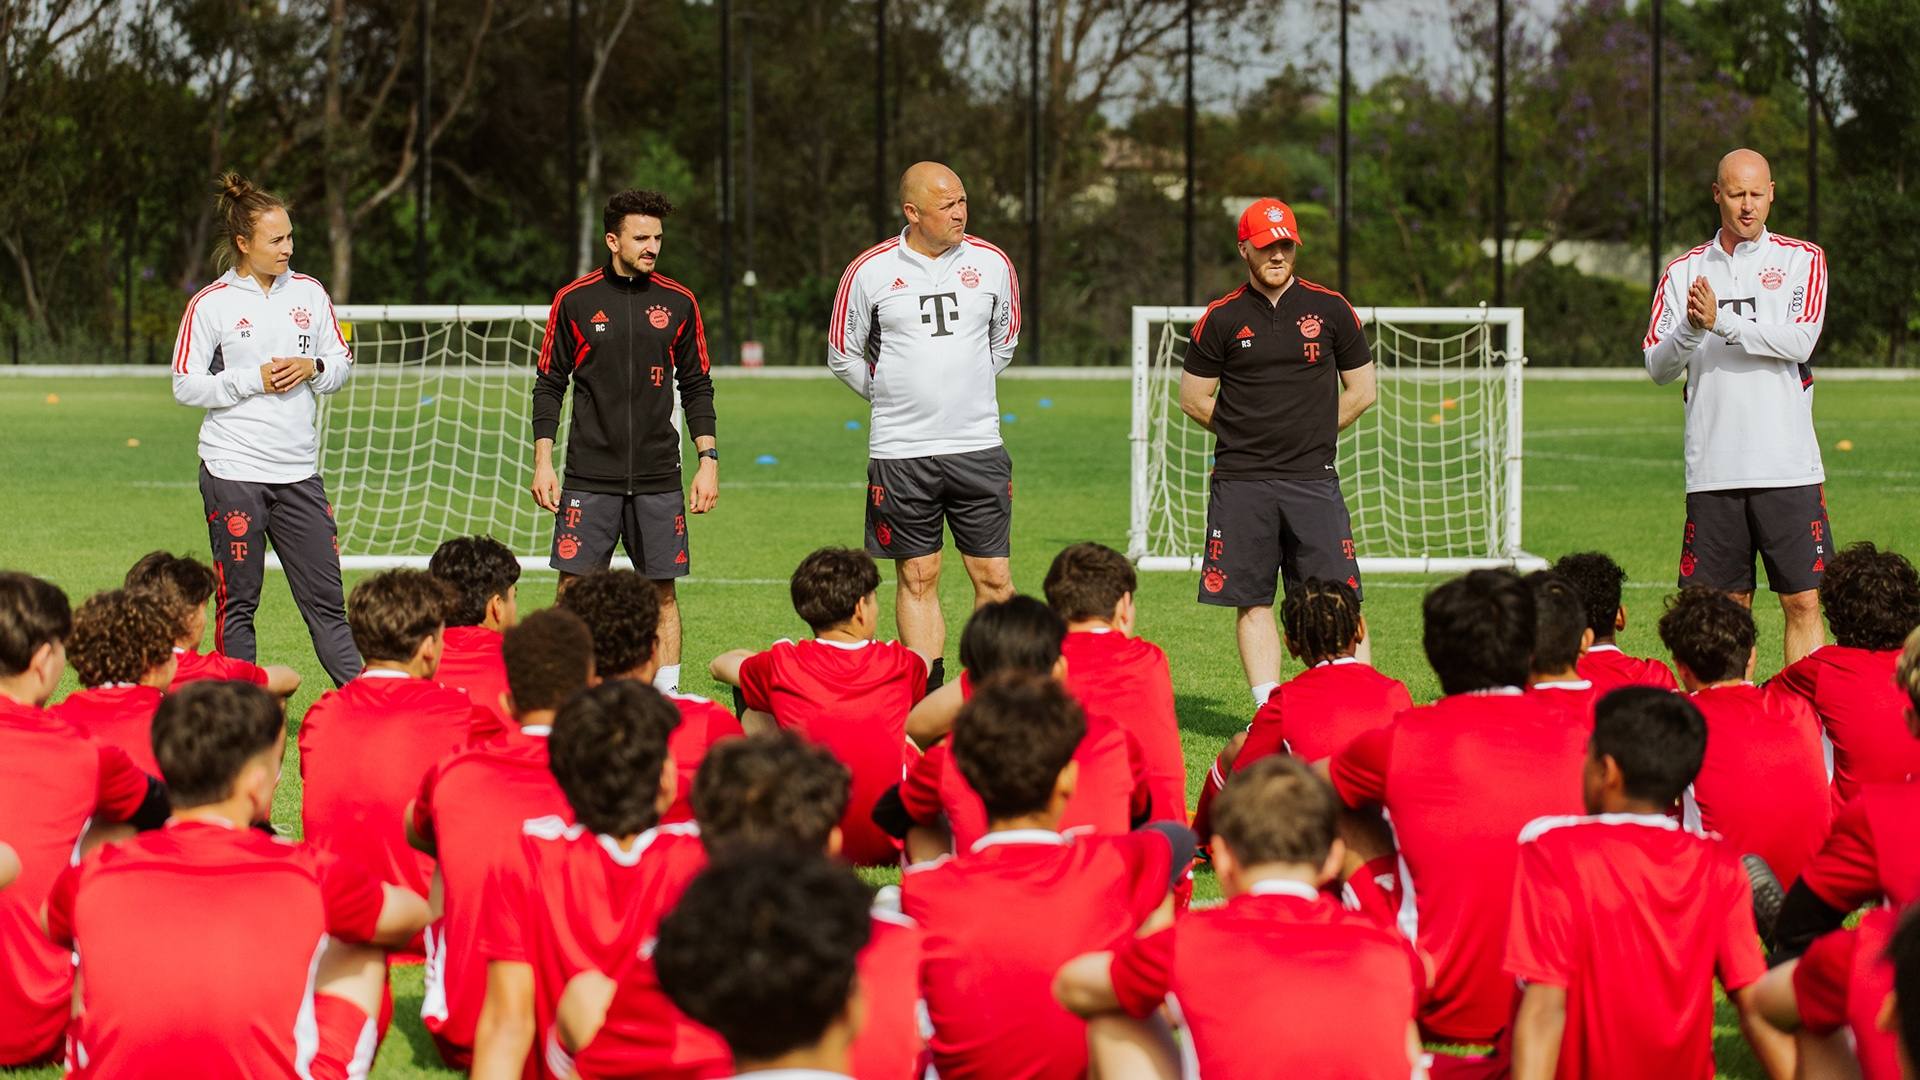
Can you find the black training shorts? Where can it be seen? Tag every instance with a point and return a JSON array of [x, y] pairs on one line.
[[1787, 527], [908, 498], [653, 527], [1256, 529]]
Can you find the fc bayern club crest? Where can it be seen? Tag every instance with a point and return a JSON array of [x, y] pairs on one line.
[[568, 547], [969, 277], [1213, 581], [238, 523], [1772, 279], [1310, 326], [302, 318]]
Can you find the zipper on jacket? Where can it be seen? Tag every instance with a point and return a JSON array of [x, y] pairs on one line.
[[633, 386]]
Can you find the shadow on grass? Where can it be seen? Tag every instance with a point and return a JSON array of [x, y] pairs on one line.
[[1207, 715], [409, 1050]]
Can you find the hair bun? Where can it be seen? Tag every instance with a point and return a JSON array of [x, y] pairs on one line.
[[234, 187]]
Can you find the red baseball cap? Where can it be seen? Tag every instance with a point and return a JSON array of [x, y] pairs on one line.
[[1268, 221]]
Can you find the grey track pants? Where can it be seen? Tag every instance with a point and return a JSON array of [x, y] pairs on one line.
[[242, 518]]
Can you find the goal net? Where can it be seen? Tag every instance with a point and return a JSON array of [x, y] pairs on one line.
[[1431, 473], [431, 437]]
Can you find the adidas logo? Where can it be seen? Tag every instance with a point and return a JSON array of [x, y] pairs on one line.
[[898, 284], [242, 325], [1245, 332], [598, 316]]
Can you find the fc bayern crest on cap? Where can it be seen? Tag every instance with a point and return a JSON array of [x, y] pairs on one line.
[[1274, 214]]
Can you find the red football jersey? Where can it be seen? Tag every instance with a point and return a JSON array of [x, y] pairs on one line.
[[363, 750], [472, 805], [1575, 700], [1322, 709], [889, 1044], [1280, 974], [119, 716], [1842, 981], [1607, 668], [1863, 712], [470, 663], [1873, 850], [1461, 778], [580, 902], [194, 666], [853, 699], [1000, 920], [197, 947], [1634, 916], [52, 780], [1763, 785], [702, 723], [1112, 791], [1125, 680]]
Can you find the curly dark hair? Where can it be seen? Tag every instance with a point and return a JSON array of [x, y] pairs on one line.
[[206, 732], [1599, 580], [622, 611], [548, 657], [763, 948], [1013, 737], [1479, 631], [32, 613], [1321, 618], [1872, 597], [1560, 621], [479, 568], [1086, 581], [182, 583], [769, 789], [1657, 737], [607, 748], [391, 613], [119, 636], [645, 203], [1018, 633], [830, 583], [1708, 631]]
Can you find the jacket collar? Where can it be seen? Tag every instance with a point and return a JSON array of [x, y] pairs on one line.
[[637, 283]]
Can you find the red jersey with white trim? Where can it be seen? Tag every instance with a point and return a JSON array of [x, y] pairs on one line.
[[889, 1046], [922, 339], [363, 750], [579, 902], [1607, 668], [229, 330], [1461, 777], [1574, 699], [1000, 919], [1634, 917], [1280, 974], [1125, 679], [53, 779], [470, 663], [1322, 709], [194, 666], [471, 805], [119, 716], [1763, 785], [198, 945], [853, 699], [1842, 981], [703, 722], [1873, 850], [1863, 712]]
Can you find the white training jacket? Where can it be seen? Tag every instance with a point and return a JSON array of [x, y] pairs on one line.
[[1749, 390], [229, 330], [923, 339]]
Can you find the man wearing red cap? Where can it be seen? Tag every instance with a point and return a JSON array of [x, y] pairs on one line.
[[1270, 349]]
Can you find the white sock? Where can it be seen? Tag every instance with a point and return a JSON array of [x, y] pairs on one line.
[[667, 679], [1262, 692]]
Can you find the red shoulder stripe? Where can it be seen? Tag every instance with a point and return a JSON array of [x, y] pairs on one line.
[[185, 344], [837, 329], [699, 328], [1335, 293], [1013, 324], [1200, 323], [553, 316]]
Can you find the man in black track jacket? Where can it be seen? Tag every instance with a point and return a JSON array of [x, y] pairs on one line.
[[625, 336]]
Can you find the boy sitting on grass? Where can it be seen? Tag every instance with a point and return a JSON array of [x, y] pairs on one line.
[[184, 585], [482, 572], [622, 611], [1599, 580], [1281, 972], [1622, 919], [842, 689], [122, 650]]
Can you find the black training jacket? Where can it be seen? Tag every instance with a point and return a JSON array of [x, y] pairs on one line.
[[618, 340]]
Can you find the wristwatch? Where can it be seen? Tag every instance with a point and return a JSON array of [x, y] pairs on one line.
[[710, 453]]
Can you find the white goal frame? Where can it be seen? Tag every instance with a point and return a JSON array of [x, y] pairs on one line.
[[1146, 477]]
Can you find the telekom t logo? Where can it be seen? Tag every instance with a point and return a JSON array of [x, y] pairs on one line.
[[939, 315]]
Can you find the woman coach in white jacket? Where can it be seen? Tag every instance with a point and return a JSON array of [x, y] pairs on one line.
[[254, 348]]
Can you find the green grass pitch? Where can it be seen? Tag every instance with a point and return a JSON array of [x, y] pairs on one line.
[[1602, 471]]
